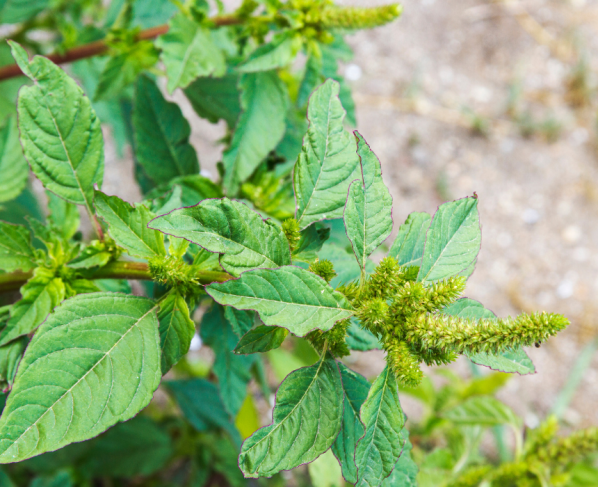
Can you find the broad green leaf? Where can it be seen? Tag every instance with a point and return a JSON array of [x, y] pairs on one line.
[[176, 330], [106, 348], [230, 228], [248, 417], [42, 293], [381, 446], [14, 11], [17, 210], [258, 131], [328, 162], [216, 98], [290, 145], [359, 338], [232, 370], [368, 210], [306, 419], [16, 251], [277, 53], [356, 389], [188, 52], [13, 166], [509, 361], [122, 69], [408, 247], [241, 321], [452, 242], [169, 201], [324, 471], [331, 53], [290, 297], [127, 225], [405, 471], [60, 132], [64, 216], [344, 262], [94, 255], [311, 78], [310, 244], [137, 447], [261, 339], [202, 406], [194, 189], [10, 356], [483, 411], [161, 135]]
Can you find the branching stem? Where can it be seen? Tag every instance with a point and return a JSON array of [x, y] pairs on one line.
[[101, 47], [114, 270]]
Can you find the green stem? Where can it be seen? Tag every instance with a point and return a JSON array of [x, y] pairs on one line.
[[114, 270]]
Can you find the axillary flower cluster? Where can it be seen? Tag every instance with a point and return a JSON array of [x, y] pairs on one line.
[[407, 317]]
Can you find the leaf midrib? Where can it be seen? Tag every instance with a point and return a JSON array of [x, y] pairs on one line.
[[307, 390], [68, 391], [62, 142]]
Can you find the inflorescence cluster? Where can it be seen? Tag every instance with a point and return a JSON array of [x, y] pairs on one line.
[[406, 315]]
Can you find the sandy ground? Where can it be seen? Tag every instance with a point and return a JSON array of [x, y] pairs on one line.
[[418, 84]]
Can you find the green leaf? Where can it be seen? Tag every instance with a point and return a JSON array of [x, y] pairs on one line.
[[16, 251], [277, 53], [483, 411], [328, 162], [169, 201], [216, 98], [201, 404], [194, 188], [137, 447], [61, 479], [91, 256], [17, 210], [13, 166], [356, 389], [325, 472], [15, 11], [310, 244], [261, 339], [161, 135], [307, 416], [344, 262], [408, 247], [60, 132], [64, 216], [241, 321], [289, 297], [10, 356], [453, 241], [188, 52], [41, 294], [510, 361], [359, 338], [127, 225], [122, 69], [381, 446], [405, 471], [368, 210], [311, 78], [258, 131], [230, 228], [106, 347], [176, 329], [232, 370], [290, 145]]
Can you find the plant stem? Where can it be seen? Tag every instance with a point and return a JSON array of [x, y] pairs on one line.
[[114, 270], [101, 47]]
